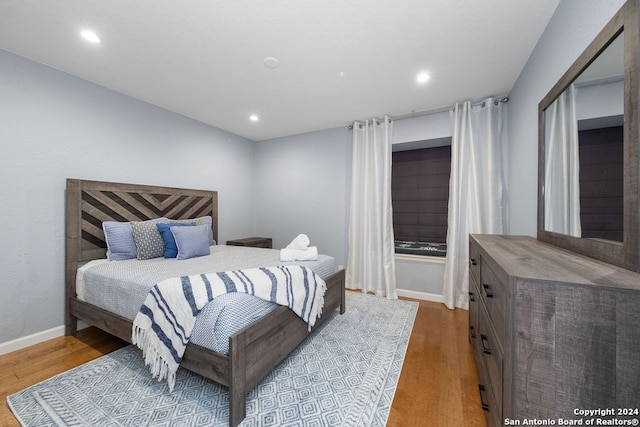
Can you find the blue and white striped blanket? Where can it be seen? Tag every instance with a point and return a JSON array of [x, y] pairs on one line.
[[164, 323]]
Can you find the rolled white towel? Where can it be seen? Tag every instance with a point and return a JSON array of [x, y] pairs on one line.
[[301, 242], [309, 254]]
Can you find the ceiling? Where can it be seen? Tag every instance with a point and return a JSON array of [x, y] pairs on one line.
[[338, 60]]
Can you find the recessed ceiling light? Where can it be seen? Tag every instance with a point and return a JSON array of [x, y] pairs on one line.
[[422, 77], [254, 118], [90, 36]]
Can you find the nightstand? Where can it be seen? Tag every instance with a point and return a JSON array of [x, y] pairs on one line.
[[256, 242]]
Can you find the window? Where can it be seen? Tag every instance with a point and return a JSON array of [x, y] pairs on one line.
[[601, 182], [420, 197]]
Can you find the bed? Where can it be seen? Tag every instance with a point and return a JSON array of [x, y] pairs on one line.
[[252, 353]]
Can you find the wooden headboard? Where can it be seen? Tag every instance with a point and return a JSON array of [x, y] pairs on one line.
[[89, 203]]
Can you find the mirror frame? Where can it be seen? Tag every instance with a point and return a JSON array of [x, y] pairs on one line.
[[624, 254]]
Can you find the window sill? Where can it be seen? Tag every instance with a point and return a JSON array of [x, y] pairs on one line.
[[421, 258]]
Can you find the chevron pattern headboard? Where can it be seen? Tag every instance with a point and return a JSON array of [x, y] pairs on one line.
[[89, 203]]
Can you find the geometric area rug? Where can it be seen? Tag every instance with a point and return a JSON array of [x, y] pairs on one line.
[[344, 374]]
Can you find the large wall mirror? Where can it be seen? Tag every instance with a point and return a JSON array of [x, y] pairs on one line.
[[588, 149]]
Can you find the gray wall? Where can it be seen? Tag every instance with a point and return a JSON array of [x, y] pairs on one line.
[[573, 26], [56, 126], [303, 186]]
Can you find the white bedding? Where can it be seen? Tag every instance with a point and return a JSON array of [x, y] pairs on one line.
[[121, 287]]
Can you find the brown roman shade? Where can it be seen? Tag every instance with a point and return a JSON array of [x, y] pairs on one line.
[[420, 194]]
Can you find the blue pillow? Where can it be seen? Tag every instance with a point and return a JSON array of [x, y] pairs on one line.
[[207, 220], [120, 244], [203, 220], [192, 241], [170, 248]]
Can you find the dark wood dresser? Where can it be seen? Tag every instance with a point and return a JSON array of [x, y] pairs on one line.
[[552, 331], [256, 242]]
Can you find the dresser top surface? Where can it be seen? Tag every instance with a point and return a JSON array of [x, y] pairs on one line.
[[526, 257]]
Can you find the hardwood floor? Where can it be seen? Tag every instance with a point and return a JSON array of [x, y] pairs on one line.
[[437, 387]]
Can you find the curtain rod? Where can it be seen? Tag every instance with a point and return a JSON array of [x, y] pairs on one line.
[[496, 101]]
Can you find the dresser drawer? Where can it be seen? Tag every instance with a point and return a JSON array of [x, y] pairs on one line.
[[487, 400], [494, 293], [491, 355], [474, 263], [491, 415], [474, 302]]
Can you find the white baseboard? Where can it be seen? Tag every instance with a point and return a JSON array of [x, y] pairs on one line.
[[37, 338], [22, 342], [420, 295]]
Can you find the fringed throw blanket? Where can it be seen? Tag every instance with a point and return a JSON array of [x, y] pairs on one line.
[[163, 326]]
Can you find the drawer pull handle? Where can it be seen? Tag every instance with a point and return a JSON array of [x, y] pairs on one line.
[[473, 261], [471, 298], [487, 291], [485, 349], [485, 406], [472, 331]]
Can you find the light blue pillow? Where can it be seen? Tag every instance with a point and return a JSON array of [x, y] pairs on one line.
[[120, 244], [170, 248], [192, 241], [203, 220]]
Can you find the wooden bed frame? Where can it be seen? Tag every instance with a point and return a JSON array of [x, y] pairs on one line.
[[253, 352]]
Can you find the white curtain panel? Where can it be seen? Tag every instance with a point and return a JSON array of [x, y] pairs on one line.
[[476, 189], [371, 259], [562, 166]]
